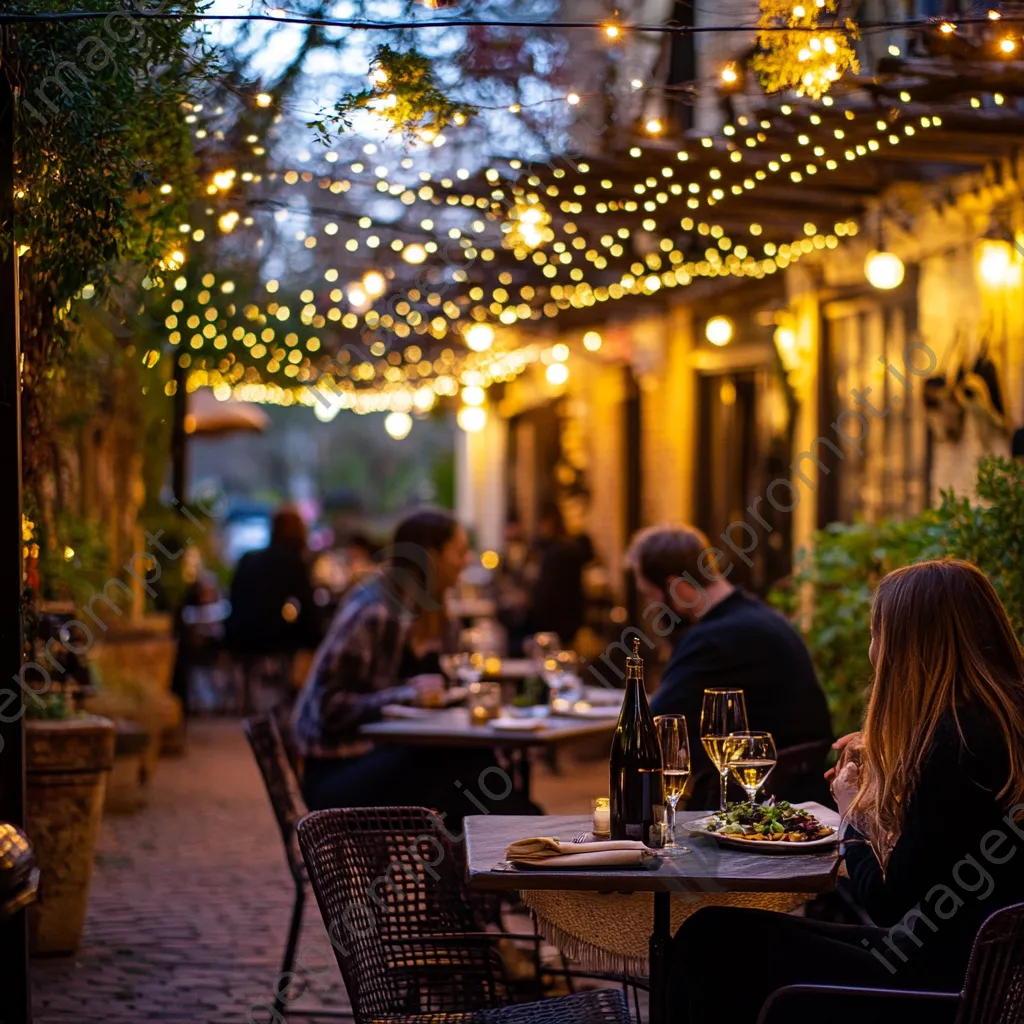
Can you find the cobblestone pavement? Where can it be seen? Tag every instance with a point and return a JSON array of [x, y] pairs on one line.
[[191, 897]]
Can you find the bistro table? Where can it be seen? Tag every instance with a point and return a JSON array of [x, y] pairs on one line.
[[706, 874], [452, 728]]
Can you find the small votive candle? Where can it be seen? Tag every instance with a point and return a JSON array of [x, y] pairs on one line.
[[602, 817]]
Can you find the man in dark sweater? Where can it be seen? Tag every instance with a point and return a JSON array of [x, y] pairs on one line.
[[726, 638]]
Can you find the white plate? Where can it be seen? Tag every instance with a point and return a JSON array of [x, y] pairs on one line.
[[585, 710], [698, 827], [518, 724]]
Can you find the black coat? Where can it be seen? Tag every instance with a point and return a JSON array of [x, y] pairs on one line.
[[272, 607]]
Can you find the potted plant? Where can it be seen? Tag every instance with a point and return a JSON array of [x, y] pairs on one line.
[[68, 755]]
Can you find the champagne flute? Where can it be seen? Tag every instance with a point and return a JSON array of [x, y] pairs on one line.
[[675, 760], [723, 712], [752, 759]]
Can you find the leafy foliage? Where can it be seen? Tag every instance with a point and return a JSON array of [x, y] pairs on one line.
[[403, 90], [806, 61], [847, 562], [103, 170]]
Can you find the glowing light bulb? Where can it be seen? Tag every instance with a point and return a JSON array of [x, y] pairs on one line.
[[414, 253], [572, 99], [1008, 45], [480, 337], [654, 126], [884, 270], [592, 341], [473, 395], [612, 31], [729, 74], [994, 261], [947, 28], [374, 283], [398, 425], [718, 330], [557, 373], [264, 99], [471, 418]]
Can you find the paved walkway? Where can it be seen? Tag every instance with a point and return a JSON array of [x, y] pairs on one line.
[[191, 898]]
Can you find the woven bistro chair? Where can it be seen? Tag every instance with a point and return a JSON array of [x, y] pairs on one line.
[[406, 935], [289, 808], [602, 1006], [993, 991]]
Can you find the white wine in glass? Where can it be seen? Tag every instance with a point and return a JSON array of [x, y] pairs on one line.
[[751, 759], [675, 760], [723, 713]]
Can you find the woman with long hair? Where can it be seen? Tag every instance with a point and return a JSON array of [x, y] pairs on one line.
[[931, 793], [383, 648]]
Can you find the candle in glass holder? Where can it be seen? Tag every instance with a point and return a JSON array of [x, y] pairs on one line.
[[602, 817]]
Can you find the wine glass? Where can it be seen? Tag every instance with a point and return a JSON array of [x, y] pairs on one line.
[[751, 757], [468, 667], [723, 712], [675, 759]]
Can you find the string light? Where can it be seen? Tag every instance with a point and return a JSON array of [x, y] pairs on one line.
[[612, 31], [718, 330], [480, 337], [398, 425], [392, 379]]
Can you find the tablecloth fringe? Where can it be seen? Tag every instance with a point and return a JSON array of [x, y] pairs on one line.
[[588, 956]]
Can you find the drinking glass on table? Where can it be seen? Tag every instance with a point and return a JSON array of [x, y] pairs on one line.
[[463, 667], [724, 712], [675, 760], [484, 702], [751, 757]]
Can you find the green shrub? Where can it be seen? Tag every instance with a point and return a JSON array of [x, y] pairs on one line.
[[847, 561]]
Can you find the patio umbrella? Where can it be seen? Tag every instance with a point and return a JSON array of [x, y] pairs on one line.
[[207, 415]]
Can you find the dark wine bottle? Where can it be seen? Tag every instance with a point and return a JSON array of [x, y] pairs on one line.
[[635, 762]]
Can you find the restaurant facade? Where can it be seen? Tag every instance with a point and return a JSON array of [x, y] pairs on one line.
[[859, 385]]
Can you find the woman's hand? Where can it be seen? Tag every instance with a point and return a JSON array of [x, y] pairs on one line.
[[849, 747], [429, 689], [845, 786]]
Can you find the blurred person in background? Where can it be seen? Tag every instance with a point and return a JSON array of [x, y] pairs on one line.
[[557, 601], [384, 647], [273, 612], [200, 678]]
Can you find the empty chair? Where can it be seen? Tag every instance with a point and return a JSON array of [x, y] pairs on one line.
[[286, 800], [391, 891], [993, 991]]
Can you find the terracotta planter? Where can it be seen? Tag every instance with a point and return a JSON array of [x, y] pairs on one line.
[[67, 765]]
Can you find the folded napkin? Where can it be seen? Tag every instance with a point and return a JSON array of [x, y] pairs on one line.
[[554, 853]]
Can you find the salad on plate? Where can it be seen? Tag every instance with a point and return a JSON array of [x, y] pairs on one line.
[[771, 822]]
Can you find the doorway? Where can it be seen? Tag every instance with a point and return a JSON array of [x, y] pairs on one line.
[[743, 442]]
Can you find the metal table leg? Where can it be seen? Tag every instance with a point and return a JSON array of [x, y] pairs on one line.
[[524, 771], [661, 936]]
